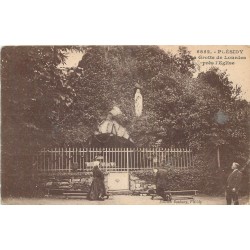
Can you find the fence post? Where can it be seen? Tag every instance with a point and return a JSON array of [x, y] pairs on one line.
[[44, 169], [218, 156], [69, 159], [106, 167], [127, 161]]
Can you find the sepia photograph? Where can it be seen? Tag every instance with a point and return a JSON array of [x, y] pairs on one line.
[[125, 125]]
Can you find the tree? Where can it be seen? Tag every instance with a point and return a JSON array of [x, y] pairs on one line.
[[221, 117], [106, 77], [178, 109], [33, 92], [45, 105]]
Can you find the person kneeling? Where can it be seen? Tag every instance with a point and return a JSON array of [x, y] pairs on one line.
[[161, 182]]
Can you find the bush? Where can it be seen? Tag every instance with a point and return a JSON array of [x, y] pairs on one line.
[[207, 182], [19, 186]]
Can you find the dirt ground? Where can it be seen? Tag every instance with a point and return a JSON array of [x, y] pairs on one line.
[[121, 200]]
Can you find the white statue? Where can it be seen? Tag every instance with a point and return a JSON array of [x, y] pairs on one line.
[[138, 102]]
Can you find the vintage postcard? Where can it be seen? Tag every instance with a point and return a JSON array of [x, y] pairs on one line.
[[127, 125]]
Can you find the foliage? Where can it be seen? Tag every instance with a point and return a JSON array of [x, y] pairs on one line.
[[206, 181], [222, 118], [202, 113], [45, 105], [34, 91], [106, 77], [27, 185]]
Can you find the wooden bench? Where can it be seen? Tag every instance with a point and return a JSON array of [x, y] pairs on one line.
[[54, 191], [178, 195], [140, 193], [78, 195]]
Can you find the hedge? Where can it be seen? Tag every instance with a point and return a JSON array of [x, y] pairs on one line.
[[211, 181], [207, 182]]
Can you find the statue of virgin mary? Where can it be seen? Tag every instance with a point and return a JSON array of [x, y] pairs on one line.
[[138, 100]]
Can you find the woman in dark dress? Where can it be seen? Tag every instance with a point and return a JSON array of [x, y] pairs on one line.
[[97, 189]]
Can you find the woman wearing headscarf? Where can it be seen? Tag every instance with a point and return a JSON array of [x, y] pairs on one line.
[[97, 189]]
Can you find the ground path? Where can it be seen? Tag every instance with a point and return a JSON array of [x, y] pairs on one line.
[[120, 200]]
